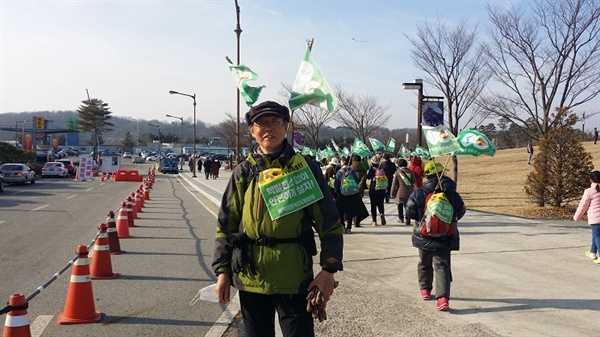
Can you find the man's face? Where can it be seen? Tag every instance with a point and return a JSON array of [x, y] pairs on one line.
[[269, 132]]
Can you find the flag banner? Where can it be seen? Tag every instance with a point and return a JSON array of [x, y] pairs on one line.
[[329, 152], [360, 148], [433, 113], [474, 143], [375, 144], [421, 152], [440, 140], [404, 152], [336, 147], [310, 87], [346, 151], [241, 75], [391, 145]]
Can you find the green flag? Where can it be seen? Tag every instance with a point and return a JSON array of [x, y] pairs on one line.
[[474, 143], [346, 151], [336, 147], [375, 144], [241, 75], [440, 140], [421, 152], [404, 152], [310, 87], [360, 148], [391, 145], [329, 152]]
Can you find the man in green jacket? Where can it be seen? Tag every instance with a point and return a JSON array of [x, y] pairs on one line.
[[265, 241]]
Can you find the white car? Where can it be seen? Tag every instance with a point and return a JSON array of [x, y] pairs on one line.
[[126, 154], [54, 169], [138, 160]]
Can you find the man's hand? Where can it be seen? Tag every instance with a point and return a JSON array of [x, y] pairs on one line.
[[223, 288], [325, 282]]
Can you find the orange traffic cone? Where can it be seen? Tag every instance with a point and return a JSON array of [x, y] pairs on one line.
[[146, 193], [113, 236], [134, 208], [17, 322], [123, 222], [79, 306], [102, 177], [141, 192], [130, 212], [139, 201], [101, 267]]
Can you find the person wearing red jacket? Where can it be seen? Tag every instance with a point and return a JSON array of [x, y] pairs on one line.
[[415, 166]]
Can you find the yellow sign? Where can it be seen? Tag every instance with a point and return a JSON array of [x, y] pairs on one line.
[[39, 123]]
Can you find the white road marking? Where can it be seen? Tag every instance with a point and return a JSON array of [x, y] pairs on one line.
[[73, 196], [89, 189], [41, 207], [39, 325], [1, 222]]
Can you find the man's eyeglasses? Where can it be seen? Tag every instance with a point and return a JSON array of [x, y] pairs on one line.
[[270, 125]]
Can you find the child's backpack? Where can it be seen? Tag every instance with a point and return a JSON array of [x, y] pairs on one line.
[[438, 216], [381, 180], [349, 185]]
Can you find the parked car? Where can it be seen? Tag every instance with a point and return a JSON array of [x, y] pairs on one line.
[[126, 154], [1, 183], [54, 169], [17, 173], [139, 159], [71, 168], [72, 152]]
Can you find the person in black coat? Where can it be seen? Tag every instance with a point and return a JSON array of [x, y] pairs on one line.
[[434, 252], [390, 168]]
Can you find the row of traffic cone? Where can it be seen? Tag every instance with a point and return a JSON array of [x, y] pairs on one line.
[[79, 305]]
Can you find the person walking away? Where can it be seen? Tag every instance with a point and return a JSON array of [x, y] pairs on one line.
[[207, 165], [435, 248], [390, 168], [595, 135], [377, 190], [269, 258], [529, 152], [330, 171], [590, 204], [415, 166], [403, 183], [215, 166], [199, 165], [349, 199], [357, 166]]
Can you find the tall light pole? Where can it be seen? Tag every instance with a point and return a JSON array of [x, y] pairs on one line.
[[417, 85], [181, 153], [238, 32], [22, 133], [194, 133], [159, 140]]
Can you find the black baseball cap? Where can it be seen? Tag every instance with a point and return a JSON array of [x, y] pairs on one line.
[[267, 107]]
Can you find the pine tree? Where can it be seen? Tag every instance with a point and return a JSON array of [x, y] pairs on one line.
[[562, 166], [93, 116]]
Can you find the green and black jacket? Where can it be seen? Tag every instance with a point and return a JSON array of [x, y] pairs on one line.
[[285, 268]]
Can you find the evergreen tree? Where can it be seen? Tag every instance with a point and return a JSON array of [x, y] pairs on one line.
[[127, 141], [562, 166], [94, 116]]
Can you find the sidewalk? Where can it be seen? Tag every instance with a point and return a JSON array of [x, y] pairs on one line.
[[512, 276]]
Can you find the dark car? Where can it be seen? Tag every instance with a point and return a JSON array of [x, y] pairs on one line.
[[17, 173], [169, 165], [1, 183]]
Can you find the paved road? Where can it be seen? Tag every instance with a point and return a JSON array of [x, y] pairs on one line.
[[512, 276]]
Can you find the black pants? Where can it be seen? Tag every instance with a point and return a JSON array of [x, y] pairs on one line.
[[258, 311], [438, 263], [376, 199]]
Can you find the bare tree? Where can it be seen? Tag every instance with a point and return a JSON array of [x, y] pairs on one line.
[[454, 65], [227, 130], [546, 59], [362, 115], [309, 118]]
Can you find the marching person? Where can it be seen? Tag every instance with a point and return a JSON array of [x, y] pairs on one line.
[[434, 252], [269, 260], [350, 204], [529, 152], [403, 184]]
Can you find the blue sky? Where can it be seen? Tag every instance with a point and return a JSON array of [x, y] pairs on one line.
[[131, 53]]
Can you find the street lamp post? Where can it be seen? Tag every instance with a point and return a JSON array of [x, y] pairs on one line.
[[194, 133], [22, 133], [159, 139], [238, 32], [417, 85], [181, 119]]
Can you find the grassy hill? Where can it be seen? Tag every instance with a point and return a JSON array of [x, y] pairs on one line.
[[495, 184]]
